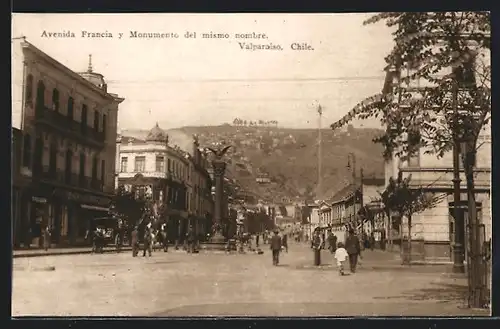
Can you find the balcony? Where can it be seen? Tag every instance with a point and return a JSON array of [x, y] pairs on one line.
[[67, 179], [69, 127]]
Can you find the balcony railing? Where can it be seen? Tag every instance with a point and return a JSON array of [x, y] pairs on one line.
[[66, 178], [70, 127]]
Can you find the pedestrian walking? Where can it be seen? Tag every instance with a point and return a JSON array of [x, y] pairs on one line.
[[317, 242], [284, 241], [257, 240], [191, 239], [341, 255], [275, 247], [135, 241], [353, 247], [372, 241], [46, 237], [332, 242], [147, 242]]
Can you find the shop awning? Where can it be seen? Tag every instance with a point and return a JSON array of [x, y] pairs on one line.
[[91, 207]]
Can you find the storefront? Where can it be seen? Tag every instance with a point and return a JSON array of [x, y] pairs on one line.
[[76, 213]]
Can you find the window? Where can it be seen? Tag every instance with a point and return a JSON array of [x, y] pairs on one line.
[[140, 164], [96, 120], [82, 166], [53, 159], [55, 100], [103, 170], [84, 116], [169, 165], [71, 103], [27, 151], [465, 73], [68, 167], [160, 164], [94, 168], [414, 149], [40, 97], [38, 157], [124, 164], [104, 125], [29, 89]]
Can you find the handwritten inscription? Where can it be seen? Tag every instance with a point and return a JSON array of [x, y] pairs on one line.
[[246, 41]]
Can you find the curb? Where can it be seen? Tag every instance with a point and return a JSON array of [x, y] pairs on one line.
[[62, 253]]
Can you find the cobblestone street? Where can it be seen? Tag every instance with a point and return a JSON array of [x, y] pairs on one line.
[[217, 284]]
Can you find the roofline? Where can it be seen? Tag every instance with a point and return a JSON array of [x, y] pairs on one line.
[[52, 61]]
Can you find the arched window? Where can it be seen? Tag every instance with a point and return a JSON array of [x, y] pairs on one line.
[[40, 97], [27, 151], [71, 103], [29, 89], [55, 100]]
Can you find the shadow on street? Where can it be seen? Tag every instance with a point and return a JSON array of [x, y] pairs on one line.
[[440, 292]]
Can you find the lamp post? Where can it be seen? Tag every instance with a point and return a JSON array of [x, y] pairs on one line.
[[320, 114], [458, 247]]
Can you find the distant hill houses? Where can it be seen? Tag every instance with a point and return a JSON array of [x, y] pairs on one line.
[[281, 163]]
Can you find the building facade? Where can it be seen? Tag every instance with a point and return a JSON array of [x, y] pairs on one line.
[[171, 178], [435, 227], [68, 121]]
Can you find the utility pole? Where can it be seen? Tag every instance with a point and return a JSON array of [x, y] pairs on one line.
[[320, 142], [352, 157]]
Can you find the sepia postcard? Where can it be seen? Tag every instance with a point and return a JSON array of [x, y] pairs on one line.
[[251, 165]]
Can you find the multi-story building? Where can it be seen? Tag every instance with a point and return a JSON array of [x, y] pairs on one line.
[[170, 177], [68, 121]]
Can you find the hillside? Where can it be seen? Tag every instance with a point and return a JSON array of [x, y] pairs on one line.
[[287, 157]]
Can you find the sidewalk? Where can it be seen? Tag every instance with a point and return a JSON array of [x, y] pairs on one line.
[[61, 251]]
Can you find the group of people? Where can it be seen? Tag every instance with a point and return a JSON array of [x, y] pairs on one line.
[[152, 237], [348, 251]]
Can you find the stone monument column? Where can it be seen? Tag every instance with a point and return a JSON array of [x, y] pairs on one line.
[[219, 167]]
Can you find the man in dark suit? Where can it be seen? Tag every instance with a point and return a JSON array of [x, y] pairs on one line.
[[135, 242], [353, 248], [276, 248]]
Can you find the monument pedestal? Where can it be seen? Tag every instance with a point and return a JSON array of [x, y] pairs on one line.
[[218, 238]]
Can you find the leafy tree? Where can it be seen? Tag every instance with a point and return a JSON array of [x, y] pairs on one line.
[[438, 92], [399, 196], [128, 206]]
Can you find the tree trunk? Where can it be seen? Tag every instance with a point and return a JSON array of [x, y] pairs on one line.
[[409, 240], [478, 294]]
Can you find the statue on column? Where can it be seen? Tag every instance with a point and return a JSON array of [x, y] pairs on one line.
[[219, 167]]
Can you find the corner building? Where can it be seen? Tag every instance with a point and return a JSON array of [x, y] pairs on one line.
[[169, 176], [68, 121]]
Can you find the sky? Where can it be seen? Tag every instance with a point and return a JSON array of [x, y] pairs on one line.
[[198, 81]]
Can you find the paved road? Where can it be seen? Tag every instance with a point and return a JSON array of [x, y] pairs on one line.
[[180, 284]]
